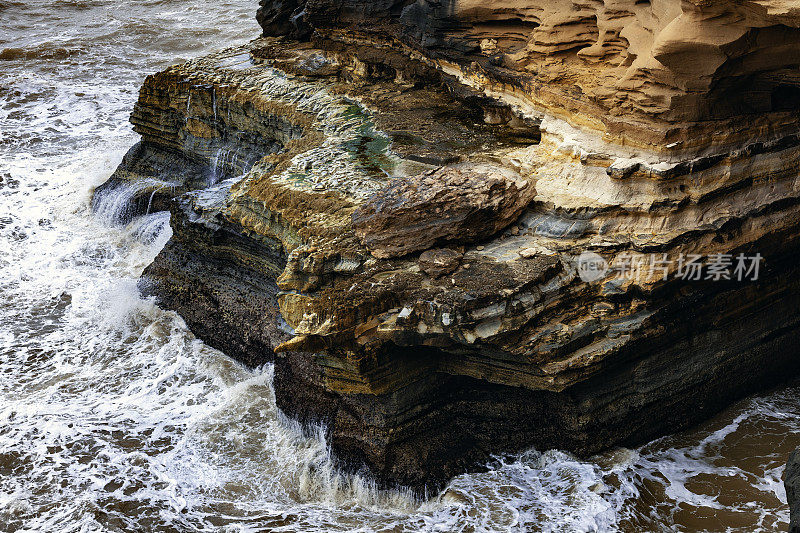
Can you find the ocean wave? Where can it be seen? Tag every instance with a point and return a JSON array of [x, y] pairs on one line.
[[39, 52]]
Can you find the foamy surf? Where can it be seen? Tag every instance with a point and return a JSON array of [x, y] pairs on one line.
[[114, 417]]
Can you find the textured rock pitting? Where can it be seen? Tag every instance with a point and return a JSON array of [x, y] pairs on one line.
[[462, 204]]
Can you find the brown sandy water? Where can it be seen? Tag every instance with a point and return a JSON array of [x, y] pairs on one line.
[[113, 417]]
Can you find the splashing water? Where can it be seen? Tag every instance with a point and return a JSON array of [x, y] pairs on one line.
[[153, 230], [116, 204], [113, 417]]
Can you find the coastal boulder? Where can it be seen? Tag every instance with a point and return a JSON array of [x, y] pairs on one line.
[[463, 203]]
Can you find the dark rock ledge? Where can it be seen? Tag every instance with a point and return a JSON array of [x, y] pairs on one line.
[[391, 209], [792, 482]]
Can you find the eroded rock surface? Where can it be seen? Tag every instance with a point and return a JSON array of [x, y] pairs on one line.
[[646, 74], [457, 204], [410, 190]]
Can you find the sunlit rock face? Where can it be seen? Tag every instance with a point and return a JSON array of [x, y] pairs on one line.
[[639, 72], [412, 192]]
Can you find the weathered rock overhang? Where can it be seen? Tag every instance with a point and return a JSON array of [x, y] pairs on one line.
[[663, 76]]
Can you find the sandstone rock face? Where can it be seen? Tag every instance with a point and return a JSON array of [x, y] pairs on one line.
[[400, 221], [462, 204], [639, 73]]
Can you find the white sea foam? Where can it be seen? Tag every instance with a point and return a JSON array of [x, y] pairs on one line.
[[116, 204]]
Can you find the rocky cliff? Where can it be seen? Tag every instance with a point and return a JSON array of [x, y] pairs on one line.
[[464, 228]]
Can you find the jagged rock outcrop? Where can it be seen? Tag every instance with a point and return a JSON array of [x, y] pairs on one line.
[[410, 196], [647, 74]]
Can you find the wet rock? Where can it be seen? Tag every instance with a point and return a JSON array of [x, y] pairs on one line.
[[439, 262], [461, 203], [283, 18], [197, 276], [792, 482]]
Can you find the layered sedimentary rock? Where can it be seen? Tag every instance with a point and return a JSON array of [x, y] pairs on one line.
[[409, 198]]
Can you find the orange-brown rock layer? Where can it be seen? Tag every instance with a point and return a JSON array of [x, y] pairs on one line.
[[679, 78]]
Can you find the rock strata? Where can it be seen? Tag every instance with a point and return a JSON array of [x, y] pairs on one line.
[[395, 205]]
